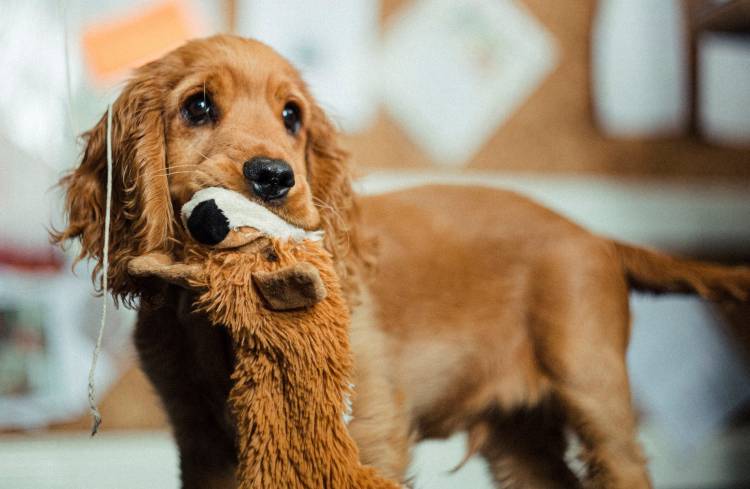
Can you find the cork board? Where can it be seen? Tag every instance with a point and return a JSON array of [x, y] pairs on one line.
[[554, 130]]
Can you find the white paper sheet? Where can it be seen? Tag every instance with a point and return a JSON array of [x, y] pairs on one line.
[[456, 70]]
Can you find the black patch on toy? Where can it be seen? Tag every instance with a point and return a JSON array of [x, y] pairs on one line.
[[207, 223]]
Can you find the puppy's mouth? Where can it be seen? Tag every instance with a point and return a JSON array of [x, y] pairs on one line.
[[291, 200], [224, 219], [290, 208], [278, 198], [209, 225]]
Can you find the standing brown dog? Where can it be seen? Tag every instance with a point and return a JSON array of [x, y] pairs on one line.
[[487, 313]]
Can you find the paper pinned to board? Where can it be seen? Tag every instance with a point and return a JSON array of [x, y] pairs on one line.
[[332, 43], [686, 374], [455, 71], [125, 40]]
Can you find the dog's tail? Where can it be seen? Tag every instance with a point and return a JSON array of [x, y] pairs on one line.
[[653, 271]]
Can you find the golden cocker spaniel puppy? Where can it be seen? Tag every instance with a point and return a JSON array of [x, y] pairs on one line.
[[485, 312]]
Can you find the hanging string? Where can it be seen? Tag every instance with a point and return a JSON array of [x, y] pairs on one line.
[[68, 76], [95, 414], [97, 417]]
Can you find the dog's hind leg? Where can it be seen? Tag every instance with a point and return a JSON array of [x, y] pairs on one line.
[[581, 334], [526, 450], [606, 425]]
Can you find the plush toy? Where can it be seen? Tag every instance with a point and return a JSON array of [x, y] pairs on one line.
[[273, 286]]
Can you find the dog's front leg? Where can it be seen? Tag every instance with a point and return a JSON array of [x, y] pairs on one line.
[[189, 363], [380, 424]]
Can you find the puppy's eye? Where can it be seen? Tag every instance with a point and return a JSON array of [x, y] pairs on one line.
[[292, 117], [199, 109]]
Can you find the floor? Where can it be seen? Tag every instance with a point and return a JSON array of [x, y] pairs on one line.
[[148, 459]]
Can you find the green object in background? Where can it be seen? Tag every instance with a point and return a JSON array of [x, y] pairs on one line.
[[24, 359]]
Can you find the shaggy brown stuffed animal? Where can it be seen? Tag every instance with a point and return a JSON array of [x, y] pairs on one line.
[[275, 289]]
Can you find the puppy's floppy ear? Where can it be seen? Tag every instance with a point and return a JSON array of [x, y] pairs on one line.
[[330, 180], [141, 215]]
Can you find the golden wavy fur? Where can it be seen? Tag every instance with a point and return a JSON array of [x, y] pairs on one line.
[[142, 216], [487, 312]]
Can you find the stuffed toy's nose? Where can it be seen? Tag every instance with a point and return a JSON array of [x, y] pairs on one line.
[[207, 224]]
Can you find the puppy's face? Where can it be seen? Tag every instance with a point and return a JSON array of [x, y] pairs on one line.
[[240, 119], [217, 112]]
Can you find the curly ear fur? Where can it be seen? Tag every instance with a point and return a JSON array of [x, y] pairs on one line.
[[330, 180], [142, 220]]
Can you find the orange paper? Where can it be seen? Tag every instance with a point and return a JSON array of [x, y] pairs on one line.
[[114, 47]]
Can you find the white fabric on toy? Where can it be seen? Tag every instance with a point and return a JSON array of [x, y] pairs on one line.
[[241, 211], [348, 414]]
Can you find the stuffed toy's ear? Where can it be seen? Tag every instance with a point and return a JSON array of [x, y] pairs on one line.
[[161, 266], [292, 287]]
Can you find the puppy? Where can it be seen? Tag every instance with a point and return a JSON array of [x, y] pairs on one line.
[[486, 313]]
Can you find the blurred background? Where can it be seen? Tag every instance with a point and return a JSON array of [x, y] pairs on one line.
[[632, 117]]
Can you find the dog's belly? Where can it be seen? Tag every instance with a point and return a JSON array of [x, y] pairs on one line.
[[452, 364]]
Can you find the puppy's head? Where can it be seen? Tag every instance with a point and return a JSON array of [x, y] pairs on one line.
[[218, 112], [239, 117]]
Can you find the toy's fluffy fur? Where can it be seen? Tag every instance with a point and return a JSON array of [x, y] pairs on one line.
[[273, 288], [292, 374]]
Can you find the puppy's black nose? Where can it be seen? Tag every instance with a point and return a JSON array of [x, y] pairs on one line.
[[268, 178]]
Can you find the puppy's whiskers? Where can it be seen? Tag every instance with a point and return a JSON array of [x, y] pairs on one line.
[[192, 146], [204, 156], [181, 165], [175, 168], [323, 205], [167, 174]]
